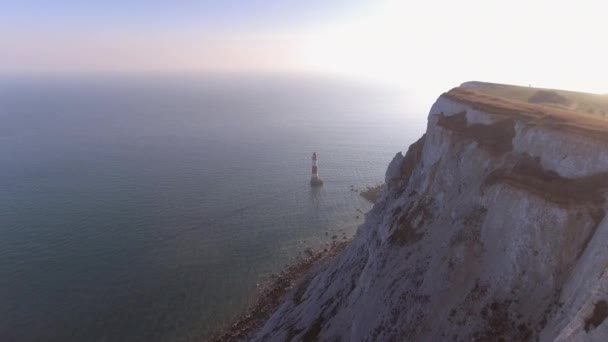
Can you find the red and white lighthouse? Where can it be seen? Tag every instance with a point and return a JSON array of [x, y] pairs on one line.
[[314, 179]]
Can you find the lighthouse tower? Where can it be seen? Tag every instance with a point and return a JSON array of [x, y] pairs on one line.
[[314, 179]]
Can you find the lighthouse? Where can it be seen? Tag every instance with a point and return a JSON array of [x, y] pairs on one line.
[[314, 179]]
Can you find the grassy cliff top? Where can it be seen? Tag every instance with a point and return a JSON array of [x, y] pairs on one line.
[[567, 111], [593, 104]]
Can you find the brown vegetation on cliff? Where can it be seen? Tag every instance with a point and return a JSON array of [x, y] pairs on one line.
[[549, 97], [563, 120], [594, 104]]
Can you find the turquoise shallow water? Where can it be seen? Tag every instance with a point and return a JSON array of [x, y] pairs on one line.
[[148, 208]]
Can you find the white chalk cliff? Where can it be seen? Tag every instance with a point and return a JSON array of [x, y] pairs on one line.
[[492, 227]]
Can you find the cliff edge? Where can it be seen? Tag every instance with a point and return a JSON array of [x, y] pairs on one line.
[[492, 227]]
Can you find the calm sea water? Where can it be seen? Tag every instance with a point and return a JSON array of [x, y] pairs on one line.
[[148, 208]]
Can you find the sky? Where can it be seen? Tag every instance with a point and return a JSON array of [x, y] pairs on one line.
[[429, 44]]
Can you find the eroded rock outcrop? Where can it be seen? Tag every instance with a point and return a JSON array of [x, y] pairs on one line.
[[492, 227]]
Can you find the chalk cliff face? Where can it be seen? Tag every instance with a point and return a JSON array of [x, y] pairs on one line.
[[492, 227]]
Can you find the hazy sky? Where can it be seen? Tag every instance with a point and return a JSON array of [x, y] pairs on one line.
[[426, 44]]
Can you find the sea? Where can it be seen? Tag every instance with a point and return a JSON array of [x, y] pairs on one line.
[[155, 207]]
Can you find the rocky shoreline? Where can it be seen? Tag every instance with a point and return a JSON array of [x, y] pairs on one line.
[[372, 193], [273, 295]]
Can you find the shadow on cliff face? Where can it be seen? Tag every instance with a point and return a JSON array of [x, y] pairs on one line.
[[496, 138], [527, 173], [600, 312]]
